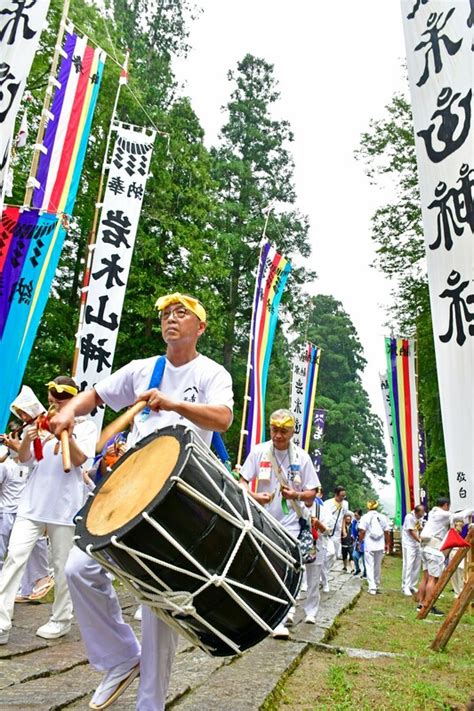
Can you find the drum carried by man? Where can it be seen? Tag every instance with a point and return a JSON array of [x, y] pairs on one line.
[[173, 524]]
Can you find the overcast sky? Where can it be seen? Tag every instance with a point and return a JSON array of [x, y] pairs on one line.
[[338, 64]]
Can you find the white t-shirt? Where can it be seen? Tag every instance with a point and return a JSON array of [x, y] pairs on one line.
[[322, 539], [299, 473], [51, 494], [410, 523], [202, 380], [13, 478], [440, 520], [333, 508], [371, 544]]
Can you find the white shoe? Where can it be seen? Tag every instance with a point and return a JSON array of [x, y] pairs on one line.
[[138, 613], [304, 587], [372, 592], [290, 618], [53, 629], [4, 636], [407, 592], [413, 591], [310, 619], [114, 683], [281, 632], [326, 588]]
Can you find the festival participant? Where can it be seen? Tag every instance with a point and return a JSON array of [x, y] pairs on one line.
[[373, 531], [357, 554], [411, 549], [440, 519], [347, 543], [50, 499], [286, 481], [320, 522], [194, 391], [336, 507]]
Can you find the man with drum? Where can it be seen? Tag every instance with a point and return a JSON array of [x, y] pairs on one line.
[[286, 484], [110, 642]]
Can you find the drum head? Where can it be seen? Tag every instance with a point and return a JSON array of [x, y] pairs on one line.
[[137, 482]]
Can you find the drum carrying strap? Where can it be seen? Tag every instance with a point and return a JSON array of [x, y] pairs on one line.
[[156, 377]]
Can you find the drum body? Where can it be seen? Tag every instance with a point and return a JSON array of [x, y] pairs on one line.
[[185, 537]]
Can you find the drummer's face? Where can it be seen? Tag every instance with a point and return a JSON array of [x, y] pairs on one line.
[[178, 323], [281, 436]]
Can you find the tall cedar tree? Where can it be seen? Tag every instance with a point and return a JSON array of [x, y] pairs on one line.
[[389, 151]]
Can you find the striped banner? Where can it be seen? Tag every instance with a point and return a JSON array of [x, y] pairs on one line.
[[35, 242], [404, 415], [272, 274], [303, 393]]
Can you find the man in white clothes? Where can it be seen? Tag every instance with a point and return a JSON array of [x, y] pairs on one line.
[[411, 549], [336, 508], [194, 391], [320, 522], [373, 530], [440, 519], [285, 481]]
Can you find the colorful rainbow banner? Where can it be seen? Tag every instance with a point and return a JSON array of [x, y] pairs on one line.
[[34, 243], [404, 416], [303, 393], [272, 274]]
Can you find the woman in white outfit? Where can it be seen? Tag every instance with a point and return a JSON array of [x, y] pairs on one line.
[[49, 502]]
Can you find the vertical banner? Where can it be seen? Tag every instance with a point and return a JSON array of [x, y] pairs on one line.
[[105, 286], [440, 59], [404, 415], [273, 271], [319, 425], [303, 392], [20, 29], [388, 420]]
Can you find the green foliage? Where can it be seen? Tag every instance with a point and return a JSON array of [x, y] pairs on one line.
[[353, 450], [389, 152]]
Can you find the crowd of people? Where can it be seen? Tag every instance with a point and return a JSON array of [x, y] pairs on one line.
[[38, 499]]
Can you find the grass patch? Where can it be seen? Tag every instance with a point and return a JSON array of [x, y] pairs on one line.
[[420, 680]]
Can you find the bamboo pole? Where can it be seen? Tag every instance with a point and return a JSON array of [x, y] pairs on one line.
[[243, 432], [93, 233], [46, 105]]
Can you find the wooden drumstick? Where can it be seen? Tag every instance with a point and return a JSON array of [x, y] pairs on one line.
[[121, 423], [66, 454]]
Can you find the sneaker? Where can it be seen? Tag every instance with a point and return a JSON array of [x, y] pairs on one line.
[[114, 683], [138, 613], [372, 592], [281, 632], [53, 629], [438, 613], [326, 588], [310, 619], [290, 619], [407, 592], [4, 635]]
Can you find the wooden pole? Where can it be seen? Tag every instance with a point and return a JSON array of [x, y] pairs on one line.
[[46, 105], [445, 576], [93, 233], [452, 620]]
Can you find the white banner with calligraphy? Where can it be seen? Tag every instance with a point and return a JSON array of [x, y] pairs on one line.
[[20, 29], [388, 412], [298, 382], [438, 36], [107, 282]]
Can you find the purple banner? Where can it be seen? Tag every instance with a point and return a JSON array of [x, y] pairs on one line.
[[319, 422]]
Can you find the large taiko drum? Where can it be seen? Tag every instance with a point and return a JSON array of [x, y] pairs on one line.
[[177, 529]]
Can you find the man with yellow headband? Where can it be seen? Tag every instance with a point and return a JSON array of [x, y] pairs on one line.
[[194, 391], [286, 481], [373, 530]]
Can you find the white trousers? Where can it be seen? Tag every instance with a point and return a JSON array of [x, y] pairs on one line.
[[37, 566], [23, 538], [411, 566], [373, 566], [110, 641], [313, 596]]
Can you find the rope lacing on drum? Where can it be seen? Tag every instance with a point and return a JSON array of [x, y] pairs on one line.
[[177, 602]]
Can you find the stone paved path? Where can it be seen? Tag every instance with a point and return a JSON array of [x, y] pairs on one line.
[[51, 675]]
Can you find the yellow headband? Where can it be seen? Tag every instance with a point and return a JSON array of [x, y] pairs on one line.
[[286, 421], [187, 301], [372, 505], [62, 388]]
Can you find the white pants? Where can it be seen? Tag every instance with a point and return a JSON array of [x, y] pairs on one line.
[[37, 566], [313, 574], [23, 538], [110, 641], [411, 566], [373, 566], [330, 558]]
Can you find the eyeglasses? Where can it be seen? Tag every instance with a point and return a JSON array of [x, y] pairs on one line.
[[178, 313]]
